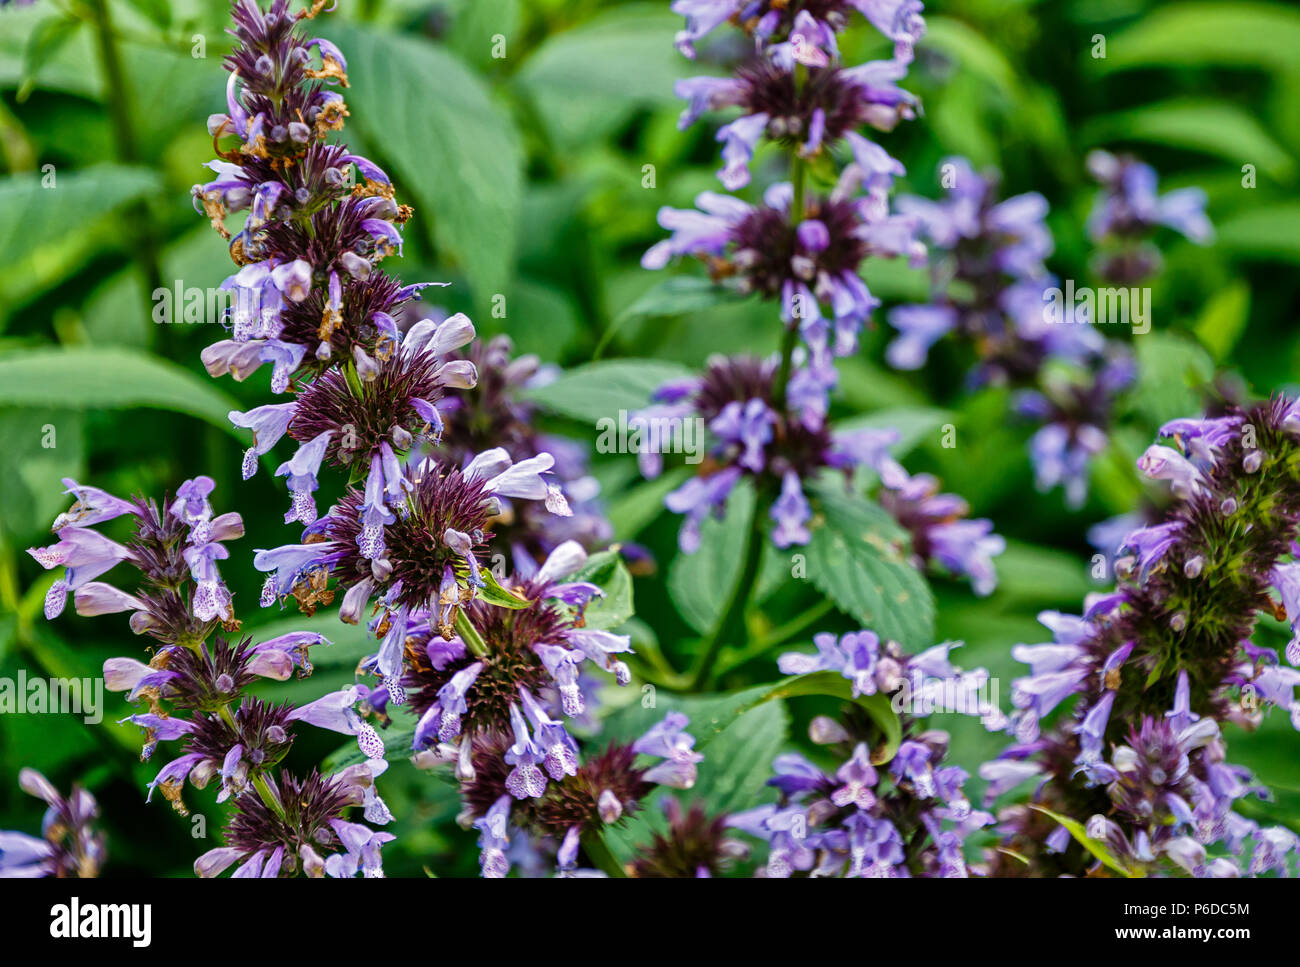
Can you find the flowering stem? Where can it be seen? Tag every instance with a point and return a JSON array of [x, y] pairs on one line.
[[258, 780], [790, 338], [469, 634]]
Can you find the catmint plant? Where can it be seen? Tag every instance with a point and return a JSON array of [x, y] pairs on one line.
[[70, 844], [989, 290], [1128, 212], [1150, 677], [889, 807], [193, 688]]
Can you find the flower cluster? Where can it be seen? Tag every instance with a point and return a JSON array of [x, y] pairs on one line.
[[309, 291], [69, 844], [519, 667], [193, 687], [989, 289], [1127, 213], [909, 818], [781, 444], [552, 818], [989, 284], [495, 413], [942, 534], [421, 563], [1151, 672], [310, 297], [801, 248], [182, 597]]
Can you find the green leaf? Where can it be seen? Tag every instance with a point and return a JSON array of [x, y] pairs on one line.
[[51, 223], [857, 557], [1270, 231], [41, 446], [676, 296], [1251, 35], [50, 35], [1216, 127], [973, 52], [1224, 319], [586, 81], [836, 685], [475, 25], [37, 209], [1172, 369], [494, 594], [634, 509], [699, 583], [109, 378], [1094, 846], [605, 570], [1041, 575], [599, 391], [450, 146]]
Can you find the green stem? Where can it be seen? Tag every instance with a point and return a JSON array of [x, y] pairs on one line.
[[258, 779], [352, 379], [117, 92], [597, 850], [469, 634], [264, 790], [789, 340], [778, 635], [731, 627]]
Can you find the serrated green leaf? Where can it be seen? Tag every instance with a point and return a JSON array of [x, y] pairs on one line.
[[699, 583], [857, 557]]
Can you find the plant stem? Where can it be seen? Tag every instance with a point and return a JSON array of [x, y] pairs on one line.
[[789, 339], [731, 627], [264, 790], [117, 92], [778, 635], [257, 778], [469, 634]]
